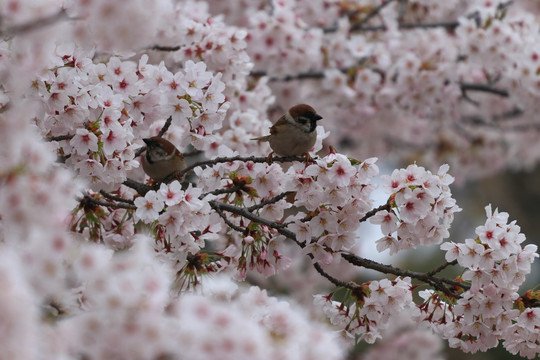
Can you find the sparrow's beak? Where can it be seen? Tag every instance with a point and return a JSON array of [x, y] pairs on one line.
[[148, 141], [317, 117]]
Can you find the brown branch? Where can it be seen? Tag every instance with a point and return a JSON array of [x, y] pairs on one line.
[[483, 88], [33, 25], [448, 24], [332, 279], [58, 138], [115, 198], [141, 188], [229, 190], [317, 75], [374, 211], [273, 200], [114, 205], [165, 127], [438, 283], [441, 268], [370, 15], [250, 216], [255, 159], [165, 48], [227, 221], [301, 76]]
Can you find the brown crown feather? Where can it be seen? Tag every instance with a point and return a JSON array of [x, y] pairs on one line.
[[302, 110], [165, 144]]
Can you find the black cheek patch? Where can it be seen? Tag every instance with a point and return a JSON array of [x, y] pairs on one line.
[[312, 125], [148, 157]]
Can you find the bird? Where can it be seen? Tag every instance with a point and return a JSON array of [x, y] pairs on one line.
[[294, 132], [161, 158]]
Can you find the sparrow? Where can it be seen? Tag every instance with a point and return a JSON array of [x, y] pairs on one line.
[[161, 158], [293, 133]]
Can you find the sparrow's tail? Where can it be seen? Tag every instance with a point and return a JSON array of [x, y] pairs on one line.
[[262, 138]]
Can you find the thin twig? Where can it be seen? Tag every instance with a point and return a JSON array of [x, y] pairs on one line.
[[227, 221], [371, 15], [374, 211], [255, 159], [315, 75], [441, 268], [448, 24], [58, 138], [165, 48], [438, 283], [250, 216], [332, 279], [115, 205], [165, 127], [141, 188], [115, 198], [273, 200], [483, 88], [33, 25], [229, 190]]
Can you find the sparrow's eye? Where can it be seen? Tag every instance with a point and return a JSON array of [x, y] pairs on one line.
[[302, 120]]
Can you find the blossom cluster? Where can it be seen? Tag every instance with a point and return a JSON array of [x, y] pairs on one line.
[[98, 268], [336, 196], [372, 309], [127, 312], [422, 78], [421, 208], [495, 266], [107, 107]]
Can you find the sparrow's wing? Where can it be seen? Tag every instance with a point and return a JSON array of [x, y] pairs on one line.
[[274, 129], [282, 122]]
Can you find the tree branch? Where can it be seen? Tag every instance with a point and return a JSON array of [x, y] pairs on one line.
[[255, 159], [441, 268], [437, 283], [371, 213], [165, 48], [58, 138], [141, 188], [165, 127], [315, 75], [484, 88], [33, 25], [250, 216], [227, 221], [332, 279], [273, 200], [115, 198], [440, 284], [371, 15], [115, 205]]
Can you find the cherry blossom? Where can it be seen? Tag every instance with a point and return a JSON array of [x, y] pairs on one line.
[[102, 262], [149, 206]]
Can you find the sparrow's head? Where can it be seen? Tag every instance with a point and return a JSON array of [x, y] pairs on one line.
[[305, 117], [158, 149]]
